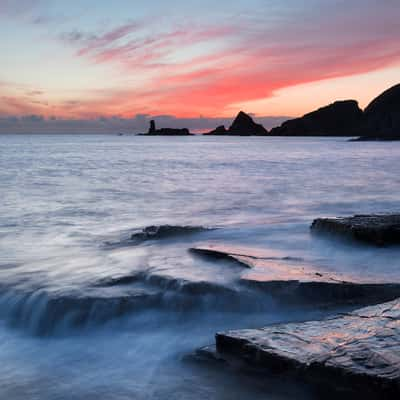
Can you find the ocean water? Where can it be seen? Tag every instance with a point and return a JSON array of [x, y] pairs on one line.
[[71, 327]]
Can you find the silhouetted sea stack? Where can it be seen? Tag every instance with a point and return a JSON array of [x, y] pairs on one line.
[[220, 130], [165, 131], [382, 117], [342, 118], [243, 125]]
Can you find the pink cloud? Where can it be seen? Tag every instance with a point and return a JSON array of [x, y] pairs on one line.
[[207, 69]]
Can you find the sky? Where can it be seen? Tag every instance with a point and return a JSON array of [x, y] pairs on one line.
[[91, 66]]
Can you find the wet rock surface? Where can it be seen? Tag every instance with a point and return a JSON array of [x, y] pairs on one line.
[[293, 279], [358, 350], [375, 229], [158, 232]]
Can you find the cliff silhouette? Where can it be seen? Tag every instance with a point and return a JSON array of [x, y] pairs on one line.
[[379, 121]]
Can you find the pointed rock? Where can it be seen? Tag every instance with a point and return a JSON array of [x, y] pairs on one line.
[[244, 125]]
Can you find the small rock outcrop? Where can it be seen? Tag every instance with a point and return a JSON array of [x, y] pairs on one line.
[[380, 230], [358, 350], [341, 118], [243, 125], [166, 131], [220, 130], [157, 232], [382, 116]]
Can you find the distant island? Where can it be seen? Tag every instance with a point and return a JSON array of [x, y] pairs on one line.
[[165, 131], [379, 121]]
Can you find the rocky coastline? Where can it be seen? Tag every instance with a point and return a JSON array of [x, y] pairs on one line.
[[355, 352], [380, 121]]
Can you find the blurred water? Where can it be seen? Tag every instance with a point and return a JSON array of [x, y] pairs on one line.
[[64, 197]]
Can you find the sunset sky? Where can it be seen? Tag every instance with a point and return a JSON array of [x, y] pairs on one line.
[[195, 62]]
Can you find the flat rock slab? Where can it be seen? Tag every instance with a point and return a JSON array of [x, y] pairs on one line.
[[376, 229], [245, 256], [358, 350], [157, 232], [293, 279]]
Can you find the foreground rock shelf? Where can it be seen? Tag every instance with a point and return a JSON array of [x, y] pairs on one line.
[[376, 229], [294, 280], [359, 350]]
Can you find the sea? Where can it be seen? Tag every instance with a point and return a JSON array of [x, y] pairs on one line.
[[86, 313]]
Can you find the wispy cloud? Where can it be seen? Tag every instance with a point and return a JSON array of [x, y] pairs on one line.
[[192, 66]]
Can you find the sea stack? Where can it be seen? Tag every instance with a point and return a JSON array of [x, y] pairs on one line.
[[152, 128], [153, 131], [243, 125]]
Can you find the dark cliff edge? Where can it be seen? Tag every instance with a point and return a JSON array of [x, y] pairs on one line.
[[341, 118], [381, 119]]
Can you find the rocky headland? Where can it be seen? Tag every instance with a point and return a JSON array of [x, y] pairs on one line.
[[379, 121], [341, 118]]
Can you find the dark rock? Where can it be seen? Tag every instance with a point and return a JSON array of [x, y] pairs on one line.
[[358, 350], [382, 116], [219, 253], [243, 125], [341, 118], [152, 128], [376, 229], [166, 131], [157, 232], [220, 130], [386, 138]]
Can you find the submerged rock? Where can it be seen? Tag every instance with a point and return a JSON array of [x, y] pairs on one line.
[[341, 118], [358, 350], [219, 253], [157, 232], [376, 229], [293, 280]]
